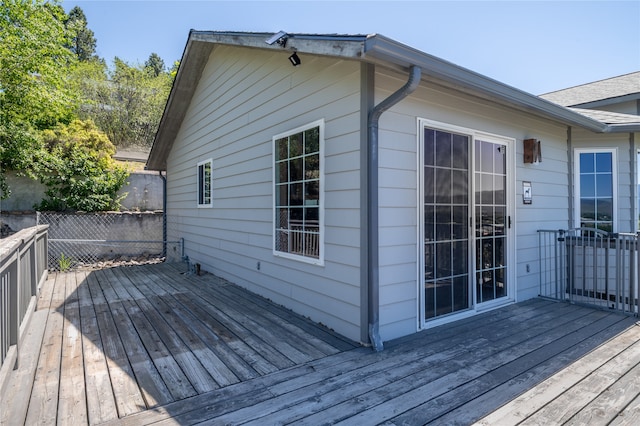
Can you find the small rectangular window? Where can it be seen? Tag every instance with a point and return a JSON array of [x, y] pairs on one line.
[[205, 183], [596, 182], [298, 199]]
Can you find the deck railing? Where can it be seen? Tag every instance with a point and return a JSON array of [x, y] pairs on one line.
[[23, 270], [590, 266]]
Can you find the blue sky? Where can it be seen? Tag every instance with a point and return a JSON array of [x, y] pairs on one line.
[[536, 46]]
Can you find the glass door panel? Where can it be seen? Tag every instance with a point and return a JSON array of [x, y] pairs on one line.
[[446, 214], [491, 220]]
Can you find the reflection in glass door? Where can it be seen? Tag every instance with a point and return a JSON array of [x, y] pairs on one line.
[[491, 220], [446, 229]]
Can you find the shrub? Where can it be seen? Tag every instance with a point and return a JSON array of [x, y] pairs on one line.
[[80, 172]]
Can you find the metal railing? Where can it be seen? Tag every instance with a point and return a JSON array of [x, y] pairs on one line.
[[589, 266], [22, 273]]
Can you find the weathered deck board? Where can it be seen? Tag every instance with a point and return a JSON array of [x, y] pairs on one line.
[[153, 388], [18, 394], [612, 400], [486, 374], [242, 326], [471, 357], [229, 340], [72, 407], [127, 394], [263, 331], [43, 404], [503, 393], [537, 397], [152, 345], [101, 403], [370, 386], [169, 312], [419, 379], [565, 406], [120, 341]]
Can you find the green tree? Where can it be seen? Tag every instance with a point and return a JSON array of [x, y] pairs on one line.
[[34, 93], [83, 41], [33, 64], [21, 150], [81, 173], [128, 104], [154, 64], [90, 81], [174, 70]]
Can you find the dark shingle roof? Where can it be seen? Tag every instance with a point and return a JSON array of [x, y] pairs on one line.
[[611, 88]]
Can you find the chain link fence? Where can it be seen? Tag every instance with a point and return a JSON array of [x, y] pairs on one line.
[[85, 240]]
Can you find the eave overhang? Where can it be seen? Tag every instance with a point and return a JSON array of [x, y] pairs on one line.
[[199, 46], [462, 79], [375, 49], [194, 58]]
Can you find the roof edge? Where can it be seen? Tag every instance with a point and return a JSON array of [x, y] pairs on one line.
[[373, 48], [337, 45], [194, 59], [623, 128], [389, 50]]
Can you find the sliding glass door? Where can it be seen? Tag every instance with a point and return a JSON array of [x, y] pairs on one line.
[[465, 217]]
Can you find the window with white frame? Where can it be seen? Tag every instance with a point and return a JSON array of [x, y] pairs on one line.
[[298, 203], [205, 183], [596, 188]]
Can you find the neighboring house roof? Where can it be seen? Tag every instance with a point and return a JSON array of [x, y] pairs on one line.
[[609, 117], [373, 48], [126, 155], [611, 90]]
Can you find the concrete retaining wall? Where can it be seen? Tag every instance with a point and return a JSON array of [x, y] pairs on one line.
[[144, 192]]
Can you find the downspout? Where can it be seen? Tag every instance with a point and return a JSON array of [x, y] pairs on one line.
[[164, 214], [410, 86]]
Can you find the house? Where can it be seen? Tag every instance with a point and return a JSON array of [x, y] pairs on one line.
[[372, 187], [619, 94]]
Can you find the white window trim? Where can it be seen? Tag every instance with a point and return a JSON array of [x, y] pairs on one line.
[[311, 260], [198, 184], [576, 180], [635, 186]]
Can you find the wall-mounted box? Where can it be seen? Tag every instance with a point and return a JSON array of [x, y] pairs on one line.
[[532, 151]]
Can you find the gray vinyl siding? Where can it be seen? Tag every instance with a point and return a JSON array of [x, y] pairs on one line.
[[243, 99], [628, 107], [399, 297]]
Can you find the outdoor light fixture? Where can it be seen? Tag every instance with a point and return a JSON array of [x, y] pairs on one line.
[[280, 38], [295, 59]]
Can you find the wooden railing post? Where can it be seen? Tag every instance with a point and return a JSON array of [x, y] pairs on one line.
[[22, 272]]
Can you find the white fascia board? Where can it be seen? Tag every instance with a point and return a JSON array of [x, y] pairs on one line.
[[344, 46]]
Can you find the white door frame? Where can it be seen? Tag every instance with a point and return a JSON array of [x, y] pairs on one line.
[[510, 231]]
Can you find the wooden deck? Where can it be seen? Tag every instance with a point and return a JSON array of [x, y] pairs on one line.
[[149, 344]]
